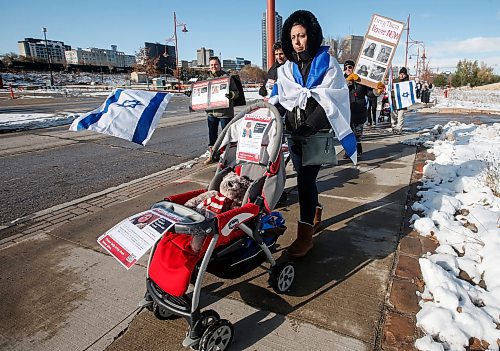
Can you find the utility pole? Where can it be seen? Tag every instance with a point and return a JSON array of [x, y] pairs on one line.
[[271, 31], [48, 55]]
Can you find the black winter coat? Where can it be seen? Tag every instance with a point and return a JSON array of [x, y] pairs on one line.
[[357, 98]]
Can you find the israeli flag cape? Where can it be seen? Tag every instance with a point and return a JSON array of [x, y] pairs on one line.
[[127, 114], [327, 85], [404, 93]]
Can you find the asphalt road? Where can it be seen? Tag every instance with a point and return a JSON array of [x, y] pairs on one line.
[[45, 167]]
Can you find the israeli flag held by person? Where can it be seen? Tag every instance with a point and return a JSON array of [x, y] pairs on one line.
[[127, 114], [327, 85], [404, 93]]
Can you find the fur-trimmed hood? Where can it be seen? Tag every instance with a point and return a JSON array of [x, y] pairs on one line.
[[314, 33]]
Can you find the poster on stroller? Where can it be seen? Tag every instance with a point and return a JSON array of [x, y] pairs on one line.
[[130, 239], [251, 135]]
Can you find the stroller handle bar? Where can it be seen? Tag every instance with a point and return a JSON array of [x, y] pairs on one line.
[[274, 153], [193, 223]]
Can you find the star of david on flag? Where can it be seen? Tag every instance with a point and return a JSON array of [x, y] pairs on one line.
[[127, 114], [404, 93]]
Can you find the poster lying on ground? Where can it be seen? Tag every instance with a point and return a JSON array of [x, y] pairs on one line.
[[377, 51], [209, 94], [130, 239]]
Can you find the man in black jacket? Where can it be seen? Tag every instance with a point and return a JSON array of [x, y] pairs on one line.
[[272, 74]]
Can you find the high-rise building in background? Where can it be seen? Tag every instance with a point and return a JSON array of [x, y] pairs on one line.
[[36, 48], [203, 56], [278, 25]]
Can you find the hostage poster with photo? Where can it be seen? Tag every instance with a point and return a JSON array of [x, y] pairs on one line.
[[379, 46], [252, 130], [209, 94], [130, 239]]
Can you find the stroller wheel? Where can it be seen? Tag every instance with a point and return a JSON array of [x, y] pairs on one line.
[[281, 278], [162, 313], [218, 336], [208, 317]]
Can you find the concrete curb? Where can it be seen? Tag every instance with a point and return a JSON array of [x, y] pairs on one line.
[[399, 330]]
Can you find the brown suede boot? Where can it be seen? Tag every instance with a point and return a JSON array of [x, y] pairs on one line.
[[304, 242], [317, 218]]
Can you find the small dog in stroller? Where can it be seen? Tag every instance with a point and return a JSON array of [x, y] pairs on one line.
[[235, 240]]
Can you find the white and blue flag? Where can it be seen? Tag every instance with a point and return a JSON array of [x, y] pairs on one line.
[[404, 94], [327, 85], [128, 114]]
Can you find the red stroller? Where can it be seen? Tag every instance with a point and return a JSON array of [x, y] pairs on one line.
[[231, 239]]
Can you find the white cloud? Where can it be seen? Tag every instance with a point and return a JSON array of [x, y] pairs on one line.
[[466, 46]]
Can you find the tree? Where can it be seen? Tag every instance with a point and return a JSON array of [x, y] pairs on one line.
[[145, 63], [465, 74], [252, 74], [440, 80]]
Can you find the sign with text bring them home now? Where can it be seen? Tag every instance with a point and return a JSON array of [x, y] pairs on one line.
[[379, 46]]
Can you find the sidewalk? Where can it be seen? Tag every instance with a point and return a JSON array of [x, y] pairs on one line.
[[354, 291]]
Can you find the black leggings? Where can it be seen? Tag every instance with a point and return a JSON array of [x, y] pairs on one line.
[[372, 110], [306, 183]]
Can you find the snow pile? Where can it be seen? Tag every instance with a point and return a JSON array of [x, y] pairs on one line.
[[34, 79], [11, 122], [467, 98], [459, 208]]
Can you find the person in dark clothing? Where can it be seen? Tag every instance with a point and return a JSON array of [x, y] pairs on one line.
[[272, 74], [372, 107], [301, 41], [357, 96], [220, 115]]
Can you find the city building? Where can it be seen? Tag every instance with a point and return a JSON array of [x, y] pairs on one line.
[[99, 57], [278, 25], [37, 49], [203, 56], [164, 53], [352, 46], [235, 65]]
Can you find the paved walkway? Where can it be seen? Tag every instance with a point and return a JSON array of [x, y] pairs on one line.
[[354, 291]]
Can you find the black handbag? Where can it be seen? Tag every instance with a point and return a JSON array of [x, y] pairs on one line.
[[319, 149]]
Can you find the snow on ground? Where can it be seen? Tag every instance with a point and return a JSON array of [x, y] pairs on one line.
[[27, 121], [459, 208], [37, 79], [467, 98]]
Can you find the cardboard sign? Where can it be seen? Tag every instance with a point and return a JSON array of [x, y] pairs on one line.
[[210, 94], [379, 46]]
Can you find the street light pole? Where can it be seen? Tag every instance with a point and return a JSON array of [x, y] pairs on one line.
[[48, 55], [184, 29], [176, 53]]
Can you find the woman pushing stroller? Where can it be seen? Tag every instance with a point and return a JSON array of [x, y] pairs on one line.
[[313, 96]]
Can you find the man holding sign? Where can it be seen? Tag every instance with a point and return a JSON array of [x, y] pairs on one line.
[[398, 114], [223, 114]]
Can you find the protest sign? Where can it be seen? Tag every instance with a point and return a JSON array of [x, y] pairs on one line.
[[210, 94], [252, 131], [130, 239], [379, 46]]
